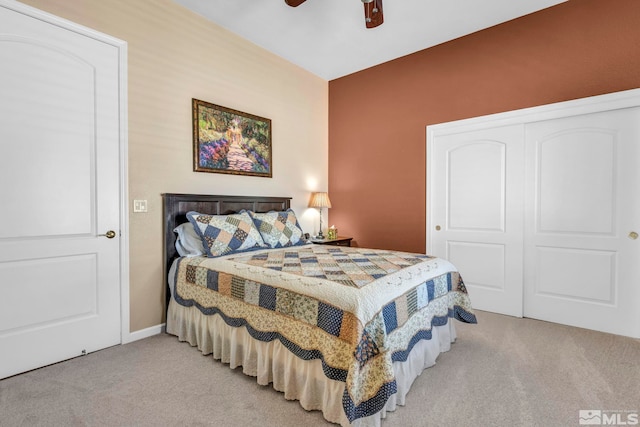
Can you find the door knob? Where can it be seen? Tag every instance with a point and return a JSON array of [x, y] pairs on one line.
[[438, 228], [633, 235], [109, 234]]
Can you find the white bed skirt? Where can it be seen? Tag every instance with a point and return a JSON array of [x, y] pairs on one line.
[[271, 362]]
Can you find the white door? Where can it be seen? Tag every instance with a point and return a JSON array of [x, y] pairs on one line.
[[582, 210], [476, 187], [59, 190]]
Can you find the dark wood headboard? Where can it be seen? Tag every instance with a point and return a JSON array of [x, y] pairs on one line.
[[176, 206]]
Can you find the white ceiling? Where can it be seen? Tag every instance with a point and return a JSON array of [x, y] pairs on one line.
[[329, 38]]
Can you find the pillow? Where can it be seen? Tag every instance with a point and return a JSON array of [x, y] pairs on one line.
[[279, 229], [224, 234], [188, 242]]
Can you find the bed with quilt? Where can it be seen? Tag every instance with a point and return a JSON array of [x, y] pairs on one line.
[[344, 330]]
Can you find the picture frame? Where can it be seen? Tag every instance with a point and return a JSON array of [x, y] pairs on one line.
[[230, 141]]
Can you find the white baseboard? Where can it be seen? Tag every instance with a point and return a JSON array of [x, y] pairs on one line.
[[144, 333]]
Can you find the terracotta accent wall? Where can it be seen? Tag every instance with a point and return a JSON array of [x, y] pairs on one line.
[[377, 117], [175, 55]]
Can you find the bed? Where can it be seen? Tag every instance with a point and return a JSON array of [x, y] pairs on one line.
[[342, 330]]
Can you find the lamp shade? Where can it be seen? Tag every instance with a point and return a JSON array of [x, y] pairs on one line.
[[320, 200]]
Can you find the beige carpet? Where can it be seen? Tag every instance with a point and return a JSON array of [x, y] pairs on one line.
[[502, 372]]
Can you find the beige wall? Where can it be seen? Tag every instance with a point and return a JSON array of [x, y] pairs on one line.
[[174, 56]]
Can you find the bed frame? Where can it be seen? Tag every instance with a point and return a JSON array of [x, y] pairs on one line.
[[176, 206], [423, 354]]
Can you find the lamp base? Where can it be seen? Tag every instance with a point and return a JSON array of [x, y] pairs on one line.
[[320, 235]]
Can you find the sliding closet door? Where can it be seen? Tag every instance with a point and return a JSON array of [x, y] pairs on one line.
[[475, 205], [582, 210]]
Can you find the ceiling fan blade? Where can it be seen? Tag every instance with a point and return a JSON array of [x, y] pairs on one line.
[[373, 13], [294, 3]]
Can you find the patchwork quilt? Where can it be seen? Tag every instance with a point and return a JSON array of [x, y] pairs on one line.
[[356, 310]]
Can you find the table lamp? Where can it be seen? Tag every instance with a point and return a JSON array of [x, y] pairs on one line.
[[320, 200]]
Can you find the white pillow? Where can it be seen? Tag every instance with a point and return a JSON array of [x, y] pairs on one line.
[[188, 242]]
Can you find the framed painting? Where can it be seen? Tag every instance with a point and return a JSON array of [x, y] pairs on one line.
[[230, 141]]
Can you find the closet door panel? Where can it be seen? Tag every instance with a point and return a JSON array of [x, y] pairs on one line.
[[476, 193], [483, 263], [561, 273], [581, 265], [476, 180], [576, 173]]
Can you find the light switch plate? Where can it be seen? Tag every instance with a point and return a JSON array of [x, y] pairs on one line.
[[139, 205]]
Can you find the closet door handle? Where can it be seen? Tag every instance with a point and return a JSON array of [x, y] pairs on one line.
[[633, 235], [438, 228]]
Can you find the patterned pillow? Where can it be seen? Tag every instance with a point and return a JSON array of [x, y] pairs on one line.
[[224, 234], [279, 229]]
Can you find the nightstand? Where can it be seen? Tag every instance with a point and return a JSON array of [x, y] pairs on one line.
[[340, 241]]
